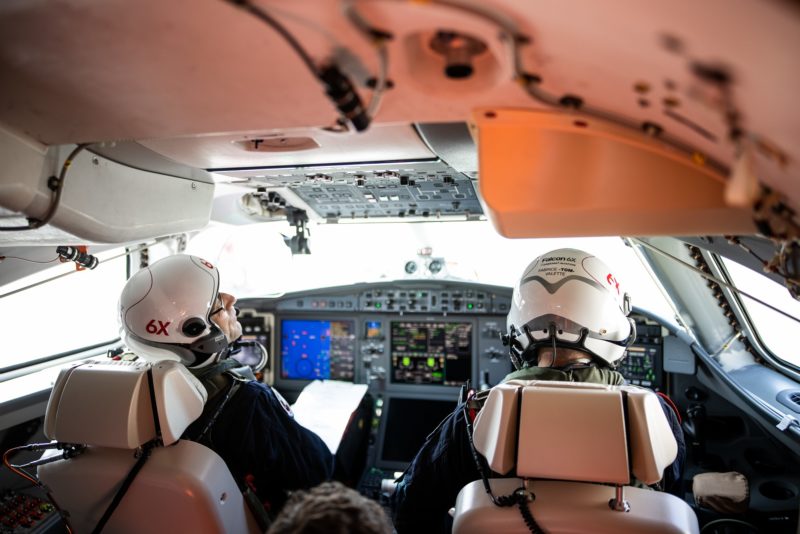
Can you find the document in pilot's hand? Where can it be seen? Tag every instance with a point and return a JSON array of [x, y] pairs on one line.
[[325, 407]]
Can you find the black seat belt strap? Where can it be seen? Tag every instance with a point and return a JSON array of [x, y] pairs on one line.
[[145, 454], [146, 450]]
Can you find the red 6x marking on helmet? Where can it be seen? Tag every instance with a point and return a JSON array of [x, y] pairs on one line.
[[613, 281], [157, 330]]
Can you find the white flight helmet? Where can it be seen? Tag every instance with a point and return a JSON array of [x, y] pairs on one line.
[[568, 298], [164, 311]]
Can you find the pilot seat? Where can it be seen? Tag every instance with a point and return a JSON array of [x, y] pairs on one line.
[[130, 417], [574, 449]]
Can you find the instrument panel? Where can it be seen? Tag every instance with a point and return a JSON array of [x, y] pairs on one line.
[[402, 336], [407, 336], [643, 361]]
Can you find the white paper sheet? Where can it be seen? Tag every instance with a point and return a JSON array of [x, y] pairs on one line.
[[325, 407]]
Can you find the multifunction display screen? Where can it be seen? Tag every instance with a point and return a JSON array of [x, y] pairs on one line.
[[312, 350], [437, 353], [642, 366]]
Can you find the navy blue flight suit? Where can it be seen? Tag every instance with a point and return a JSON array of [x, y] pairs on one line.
[[259, 440]]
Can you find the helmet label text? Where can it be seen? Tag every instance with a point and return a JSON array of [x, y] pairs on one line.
[[613, 282], [160, 329]]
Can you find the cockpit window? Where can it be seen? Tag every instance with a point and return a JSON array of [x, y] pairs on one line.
[[775, 330], [254, 261], [61, 315]]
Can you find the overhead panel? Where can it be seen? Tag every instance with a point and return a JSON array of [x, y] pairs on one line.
[[413, 190]]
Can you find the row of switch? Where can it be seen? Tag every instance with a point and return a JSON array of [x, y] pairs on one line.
[[20, 512], [412, 301]]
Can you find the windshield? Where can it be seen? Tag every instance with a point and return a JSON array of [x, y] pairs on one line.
[[772, 327], [79, 310], [254, 261]]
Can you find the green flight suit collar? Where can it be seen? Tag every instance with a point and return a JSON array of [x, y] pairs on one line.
[[591, 374]]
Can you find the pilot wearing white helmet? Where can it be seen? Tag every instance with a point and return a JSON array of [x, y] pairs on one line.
[[174, 310], [568, 322], [569, 312]]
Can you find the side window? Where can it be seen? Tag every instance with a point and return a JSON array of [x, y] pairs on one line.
[[61, 315], [776, 330]]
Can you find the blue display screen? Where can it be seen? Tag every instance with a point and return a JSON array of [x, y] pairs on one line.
[[317, 350]]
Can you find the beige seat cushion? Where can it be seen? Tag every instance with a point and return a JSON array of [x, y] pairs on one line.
[[559, 419], [108, 403]]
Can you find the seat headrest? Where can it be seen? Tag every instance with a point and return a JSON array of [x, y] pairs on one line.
[[575, 431], [107, 404]]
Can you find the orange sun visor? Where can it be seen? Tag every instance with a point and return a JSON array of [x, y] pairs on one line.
[[548, 174]]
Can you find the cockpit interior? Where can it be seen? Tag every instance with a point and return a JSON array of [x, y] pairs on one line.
[[371, 178]]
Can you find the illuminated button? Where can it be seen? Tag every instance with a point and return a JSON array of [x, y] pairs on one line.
[[406, 361], [378, 305], [431, 362], [470, 305]]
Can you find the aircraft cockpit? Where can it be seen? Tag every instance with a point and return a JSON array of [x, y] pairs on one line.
[[369, 180], [415, 344]]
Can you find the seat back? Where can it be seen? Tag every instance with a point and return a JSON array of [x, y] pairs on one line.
[[108, 406], [563, 440]]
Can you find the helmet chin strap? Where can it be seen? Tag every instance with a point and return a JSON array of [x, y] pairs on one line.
[[214, 347], [213, 342], [515, 349], [230, 347]]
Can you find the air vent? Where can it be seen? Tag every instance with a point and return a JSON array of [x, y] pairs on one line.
[[790, 398]]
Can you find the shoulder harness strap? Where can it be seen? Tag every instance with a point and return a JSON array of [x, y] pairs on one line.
[[236, 377]]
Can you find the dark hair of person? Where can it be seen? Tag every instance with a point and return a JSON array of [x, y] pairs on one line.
[[330, 508]]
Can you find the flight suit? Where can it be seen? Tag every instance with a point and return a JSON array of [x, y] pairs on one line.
[[255, 433], [445, 464]]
